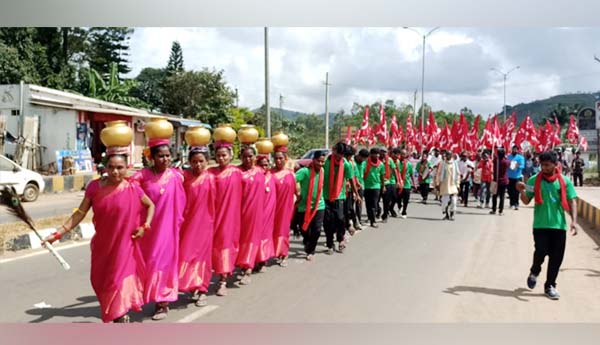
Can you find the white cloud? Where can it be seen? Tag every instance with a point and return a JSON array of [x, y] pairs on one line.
[[368, 64]]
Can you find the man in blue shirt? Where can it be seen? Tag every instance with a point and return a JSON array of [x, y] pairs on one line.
[[515, 175]]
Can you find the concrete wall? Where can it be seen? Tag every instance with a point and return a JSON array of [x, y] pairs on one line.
[[9, 101], [58, 129]]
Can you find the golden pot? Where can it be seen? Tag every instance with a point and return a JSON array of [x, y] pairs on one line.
[[264, 146], [116, 133], [197, 136], [280, 139], [225, 133], [159, 128], [248, 134]]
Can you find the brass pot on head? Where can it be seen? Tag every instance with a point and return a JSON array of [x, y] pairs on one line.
[[197, 136], [158, 128], [116, 134], [225, 133], [264, 146], [248, 134], [280, 139]]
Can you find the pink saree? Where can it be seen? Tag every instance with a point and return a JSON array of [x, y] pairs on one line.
[[160, 244], [117, 265], [285, 187], [265, 249], [228, 199], [197, 230], [253, 196]]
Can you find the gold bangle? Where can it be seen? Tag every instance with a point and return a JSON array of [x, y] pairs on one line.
[[75, 210]]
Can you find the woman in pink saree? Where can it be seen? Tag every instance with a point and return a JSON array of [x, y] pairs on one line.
[[265, 249], [117, 269], [160, 247], [252, 212], [228, 199], [195, 245], [285, 190]]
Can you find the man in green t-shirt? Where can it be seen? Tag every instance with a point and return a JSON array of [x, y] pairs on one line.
[[424, 171], [310, 214], [553, 193], [405, 171], [359, 171], [337, 172], [373, 174], [352, 196], [390, 187]]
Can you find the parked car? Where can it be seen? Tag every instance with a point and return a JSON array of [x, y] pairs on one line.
[[307, 158], [26, 183]]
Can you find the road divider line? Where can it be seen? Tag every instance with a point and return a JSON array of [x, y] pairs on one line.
[[41, 252], [198, 314]]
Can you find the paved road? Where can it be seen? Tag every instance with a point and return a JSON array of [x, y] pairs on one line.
[[420, 269], [47, 205]]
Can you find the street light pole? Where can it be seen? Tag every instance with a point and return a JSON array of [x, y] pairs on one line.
[[504, 76], [327, 109], [423, 72], [267, 105]]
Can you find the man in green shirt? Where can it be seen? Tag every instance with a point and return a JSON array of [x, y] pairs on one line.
[[352, 196], [373, 174], [310, 214], [424, 171], [554, 194], [405, 171], [390, 187], [359, 171], [337, 172]]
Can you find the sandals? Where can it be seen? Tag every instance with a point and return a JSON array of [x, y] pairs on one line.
[[161, 311], [246, 279], [202, 300], [123, 319], [222, 290], [283, 262]]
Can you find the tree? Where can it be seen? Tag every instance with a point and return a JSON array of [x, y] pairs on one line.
[[201, 95], [175, 64], [109, 45], [20, 54], [112, 89], [149, 88]]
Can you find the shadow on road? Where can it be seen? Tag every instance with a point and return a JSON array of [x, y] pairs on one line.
[[428, 219], [592, 273], [73, 310], [518, 293]]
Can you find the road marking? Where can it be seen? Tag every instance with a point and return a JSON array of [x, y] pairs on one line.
[[197, 314], [68, 246]]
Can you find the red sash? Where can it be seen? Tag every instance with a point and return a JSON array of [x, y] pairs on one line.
[[309, 213], [563, 189], [335, 185]]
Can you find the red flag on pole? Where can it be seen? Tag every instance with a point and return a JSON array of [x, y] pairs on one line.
[[486, 139], [445, 137], [573, 131], [394, 137], [410, 132], [349, 135], [381, 129], [363, 133], [556, 134]]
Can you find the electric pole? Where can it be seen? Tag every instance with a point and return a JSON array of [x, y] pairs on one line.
[[267, 82], [415, 108], [237, 98], [281, 108], [327, 109]]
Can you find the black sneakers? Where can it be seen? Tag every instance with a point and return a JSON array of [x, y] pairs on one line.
[[531, 281]]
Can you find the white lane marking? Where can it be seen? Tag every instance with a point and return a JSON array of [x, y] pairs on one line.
[[68, 246], [197, 314]]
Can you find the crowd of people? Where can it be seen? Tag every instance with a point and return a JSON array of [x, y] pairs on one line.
[[164, 231]]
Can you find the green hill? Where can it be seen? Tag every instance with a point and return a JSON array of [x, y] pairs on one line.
[[562, 104]]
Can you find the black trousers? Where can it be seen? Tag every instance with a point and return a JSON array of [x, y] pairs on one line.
[[371, 201], [550, 242], [424, 188], [358, 206], [502, 195], [578, 177], [312, 234], [464, 192], [389, 199], [513, 193], [333, 222], [403, 200]]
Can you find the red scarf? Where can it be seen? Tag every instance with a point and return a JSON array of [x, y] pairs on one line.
[[403, 175], [551, 179], [387, 168], [422, 168], [309, 213], [335, 186], [369, 165]]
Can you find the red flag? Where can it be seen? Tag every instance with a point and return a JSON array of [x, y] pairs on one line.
[[473, 137], [496, 132], [445, 137], [583, 143], [433, 132], [486, 139], [364, 131], [410, 132], [507, 131], [573, 131], [381, 129], [521, 135], [556, 134], [394, 137]]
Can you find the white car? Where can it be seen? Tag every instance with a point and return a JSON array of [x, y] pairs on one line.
[[28, 184]]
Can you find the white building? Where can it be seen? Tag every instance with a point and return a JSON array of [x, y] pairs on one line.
[[71, 122]]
